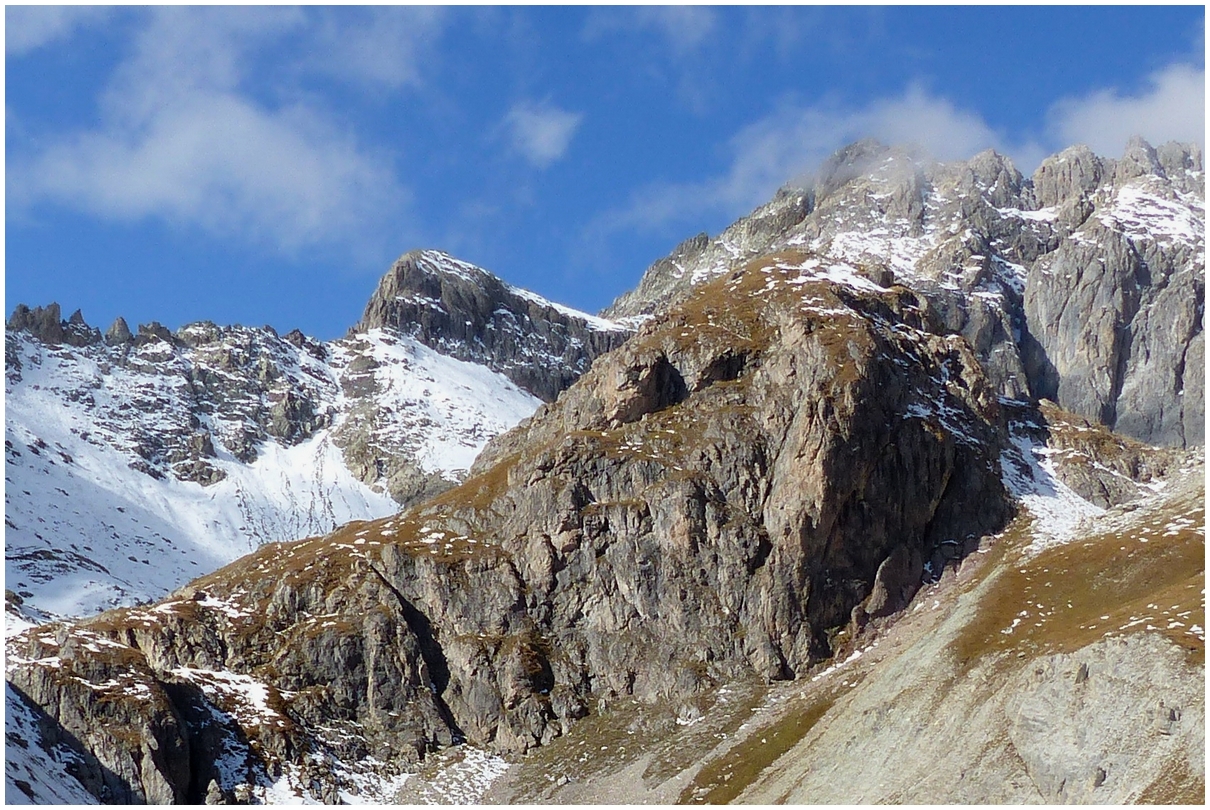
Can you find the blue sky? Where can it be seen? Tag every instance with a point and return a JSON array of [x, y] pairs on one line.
[[266, 165]]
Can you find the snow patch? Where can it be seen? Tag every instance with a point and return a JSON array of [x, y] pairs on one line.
[[591, 321], [1058, 512], [1139, 213]]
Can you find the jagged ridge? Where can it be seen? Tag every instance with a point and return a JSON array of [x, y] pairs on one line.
[[1084, 284], [464, 312]]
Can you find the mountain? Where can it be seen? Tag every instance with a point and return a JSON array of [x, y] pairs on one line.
[[819, 504], [136, 462], [1084, 284]]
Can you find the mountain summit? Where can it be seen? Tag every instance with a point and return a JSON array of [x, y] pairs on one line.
[[465, 312], [1083, 284]]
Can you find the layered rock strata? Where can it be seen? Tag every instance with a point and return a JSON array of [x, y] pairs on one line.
[[463, 311]]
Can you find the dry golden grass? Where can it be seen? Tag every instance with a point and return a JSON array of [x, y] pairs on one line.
[[1147, 577], [1177, 784], [723, 779]]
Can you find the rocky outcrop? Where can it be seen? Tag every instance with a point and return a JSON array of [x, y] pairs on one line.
[[1075, 676], [118, 332], [764, 475], [467, 313], [710, 501], [289, 437], [1104, 468], [671, 280]]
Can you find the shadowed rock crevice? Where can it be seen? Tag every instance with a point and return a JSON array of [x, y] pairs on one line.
[[80, 763], [430, 651]]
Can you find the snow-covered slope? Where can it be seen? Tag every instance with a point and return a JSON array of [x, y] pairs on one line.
[[465, 312], [95, 520]]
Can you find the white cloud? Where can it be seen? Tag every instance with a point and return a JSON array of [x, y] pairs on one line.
[[218, 162], [791, 142], [686, 28], [180, 140], [1172, 108], [382, 45], [27, 28], [541, 133]]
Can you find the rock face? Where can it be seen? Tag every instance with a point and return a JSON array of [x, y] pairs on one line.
[[1117, 308], [1074, 675], [45, 324], [464, 312], [1083, 284], [710, 501], [1065, 708]]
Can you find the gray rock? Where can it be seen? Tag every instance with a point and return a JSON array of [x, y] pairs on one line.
[[1083, 284], [118, 333], [46, 326], [1115, 312]]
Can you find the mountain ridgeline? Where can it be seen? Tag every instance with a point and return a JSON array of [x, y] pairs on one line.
[[745, 469], [182, 450], [466, 312]]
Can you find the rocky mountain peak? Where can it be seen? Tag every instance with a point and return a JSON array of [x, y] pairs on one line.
[[1069, 175], [758, 480], [465, 312], [995, 176], [850, 162], [1139, 158], [118, 332], [47, 325], [247, 436], [981, 243]]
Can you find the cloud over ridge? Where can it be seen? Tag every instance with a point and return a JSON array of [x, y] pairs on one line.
[[541, 133], [790, 142], [1172, 108]]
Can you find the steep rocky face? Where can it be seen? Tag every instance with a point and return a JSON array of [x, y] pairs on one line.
[[1117, 308], [715, 499], [1083, 284], [464, 312], [1071, 675], [761, 478]]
